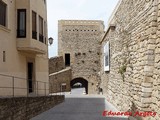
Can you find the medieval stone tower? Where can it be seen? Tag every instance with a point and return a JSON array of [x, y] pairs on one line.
[[79, 44]]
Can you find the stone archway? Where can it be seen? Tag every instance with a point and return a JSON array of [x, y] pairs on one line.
[[82, 81]]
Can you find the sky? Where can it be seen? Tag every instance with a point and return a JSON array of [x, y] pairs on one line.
[[75, 10]]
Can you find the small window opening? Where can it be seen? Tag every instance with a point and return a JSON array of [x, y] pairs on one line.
[[67, 59], [4, 56]]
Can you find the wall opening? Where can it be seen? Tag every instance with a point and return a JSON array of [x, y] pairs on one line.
[[4, 56], [82, 81], [63, 87], [30, 77], [67, 59]]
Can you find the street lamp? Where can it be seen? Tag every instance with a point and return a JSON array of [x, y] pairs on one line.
[[50, 40]]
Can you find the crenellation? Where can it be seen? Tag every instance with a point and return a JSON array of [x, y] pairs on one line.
[[81, 22]]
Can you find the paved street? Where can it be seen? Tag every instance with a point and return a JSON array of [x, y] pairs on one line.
[[78, 107]]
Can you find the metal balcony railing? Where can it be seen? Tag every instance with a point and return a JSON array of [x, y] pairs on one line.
[[21, 33], [34, 35], [41, 38]]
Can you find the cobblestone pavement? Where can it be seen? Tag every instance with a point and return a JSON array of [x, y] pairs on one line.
[[78, 107]]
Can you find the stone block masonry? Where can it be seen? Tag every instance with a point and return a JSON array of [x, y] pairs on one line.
[[56, 64], [60, 75], [60, 81], [134, 45], [24, 108]]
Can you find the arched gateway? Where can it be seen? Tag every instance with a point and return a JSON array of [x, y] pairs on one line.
[[82, 81]]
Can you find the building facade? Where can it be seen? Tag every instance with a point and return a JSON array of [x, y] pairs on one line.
[[130, 58], [78, 43], [23, 46], [59, 76]]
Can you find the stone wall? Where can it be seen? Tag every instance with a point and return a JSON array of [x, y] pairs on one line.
[[24, 108], [56, 64], [80, 39], [133, 80], [153, 79], [60, 78]]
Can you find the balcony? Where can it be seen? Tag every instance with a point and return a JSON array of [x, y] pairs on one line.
[[31, 46]]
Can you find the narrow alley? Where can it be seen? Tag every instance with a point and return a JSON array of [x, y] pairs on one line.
[[79, 107]]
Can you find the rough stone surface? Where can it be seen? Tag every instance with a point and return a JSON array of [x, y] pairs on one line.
[[57, 79], [80, 39], [23, 108], [136, 37], [59, 74], [56, 64]]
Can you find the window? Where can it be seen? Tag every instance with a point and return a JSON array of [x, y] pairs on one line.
[[4, 56], [63, 87], [3, 7], [21, 23], [106, 57], [34, 25], [45, 32], [67, 59], [40, 29]]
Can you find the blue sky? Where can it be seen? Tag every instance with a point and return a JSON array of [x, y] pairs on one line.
[[77, 10]]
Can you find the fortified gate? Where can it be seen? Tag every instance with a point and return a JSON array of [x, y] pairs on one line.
[[79, 44]]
